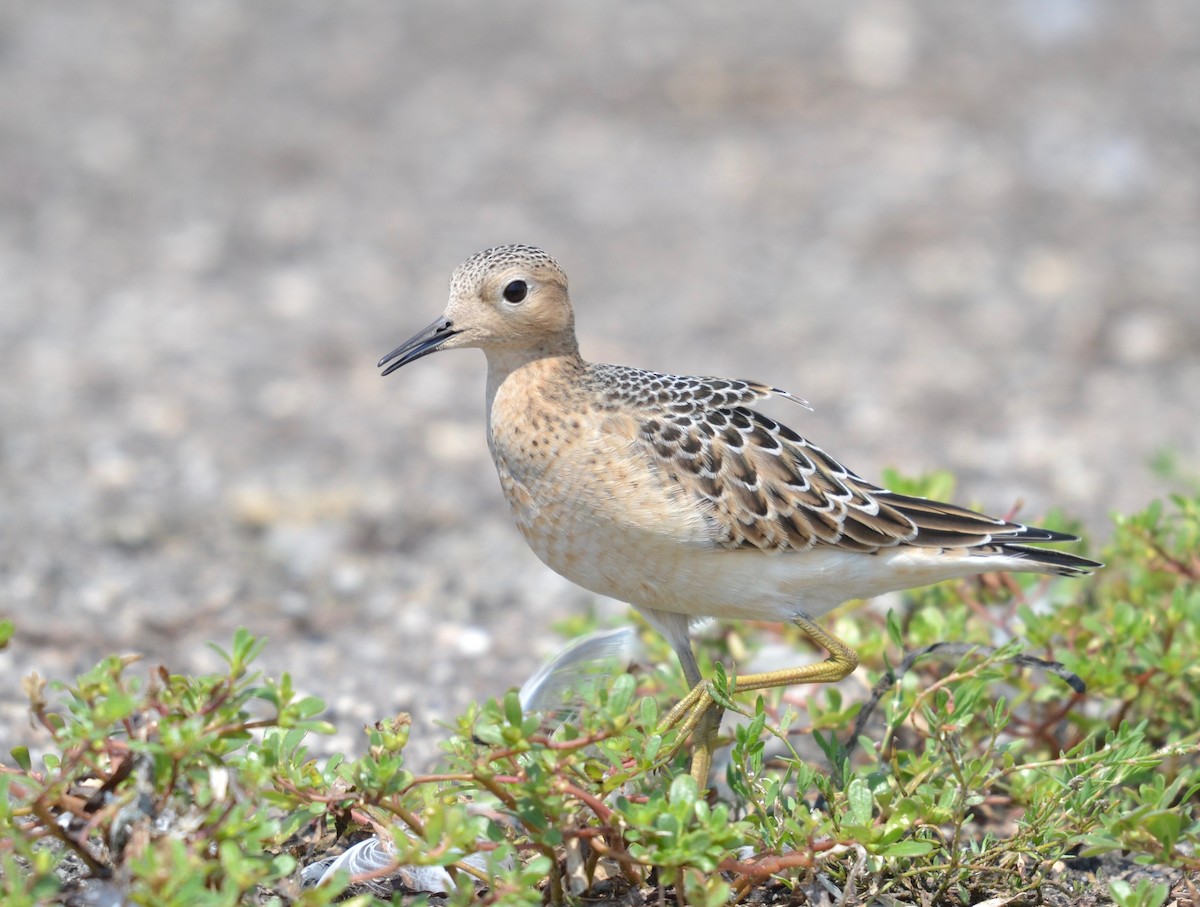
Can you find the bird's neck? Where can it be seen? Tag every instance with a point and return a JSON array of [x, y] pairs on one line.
[[554, 354], [554, 365]]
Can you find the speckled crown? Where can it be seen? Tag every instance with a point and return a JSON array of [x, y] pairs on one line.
[[471, 272]]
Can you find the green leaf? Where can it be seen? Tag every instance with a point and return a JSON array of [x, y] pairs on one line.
[[7, 628], [21, 756], [908, 849], [859, 802], [512, 708], [893, 629], [683, 791], [620, 696]]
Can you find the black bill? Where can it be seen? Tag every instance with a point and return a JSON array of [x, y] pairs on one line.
[[424, 342]]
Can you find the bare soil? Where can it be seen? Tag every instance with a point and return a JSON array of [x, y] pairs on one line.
[[968, 234]]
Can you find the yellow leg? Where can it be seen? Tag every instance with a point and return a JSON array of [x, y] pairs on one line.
[[706, 741], [698, 712]]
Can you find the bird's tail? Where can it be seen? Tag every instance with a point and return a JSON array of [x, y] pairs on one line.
[[1047, 560]]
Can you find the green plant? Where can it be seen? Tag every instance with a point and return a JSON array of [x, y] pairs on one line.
[[973, 770]]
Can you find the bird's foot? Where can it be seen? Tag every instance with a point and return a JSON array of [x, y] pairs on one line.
[[698, 714]]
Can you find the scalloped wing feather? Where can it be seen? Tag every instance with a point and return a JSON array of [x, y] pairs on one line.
[[761, 485], [765, 486]]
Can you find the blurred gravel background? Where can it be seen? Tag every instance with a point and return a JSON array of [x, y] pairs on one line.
[[968, 233]]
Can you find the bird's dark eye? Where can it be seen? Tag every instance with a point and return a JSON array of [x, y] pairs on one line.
[[516, 291]]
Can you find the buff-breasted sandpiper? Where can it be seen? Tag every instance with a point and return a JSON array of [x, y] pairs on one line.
[[675, 495]]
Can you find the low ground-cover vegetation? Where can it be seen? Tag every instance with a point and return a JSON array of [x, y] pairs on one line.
[[973, 772]]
